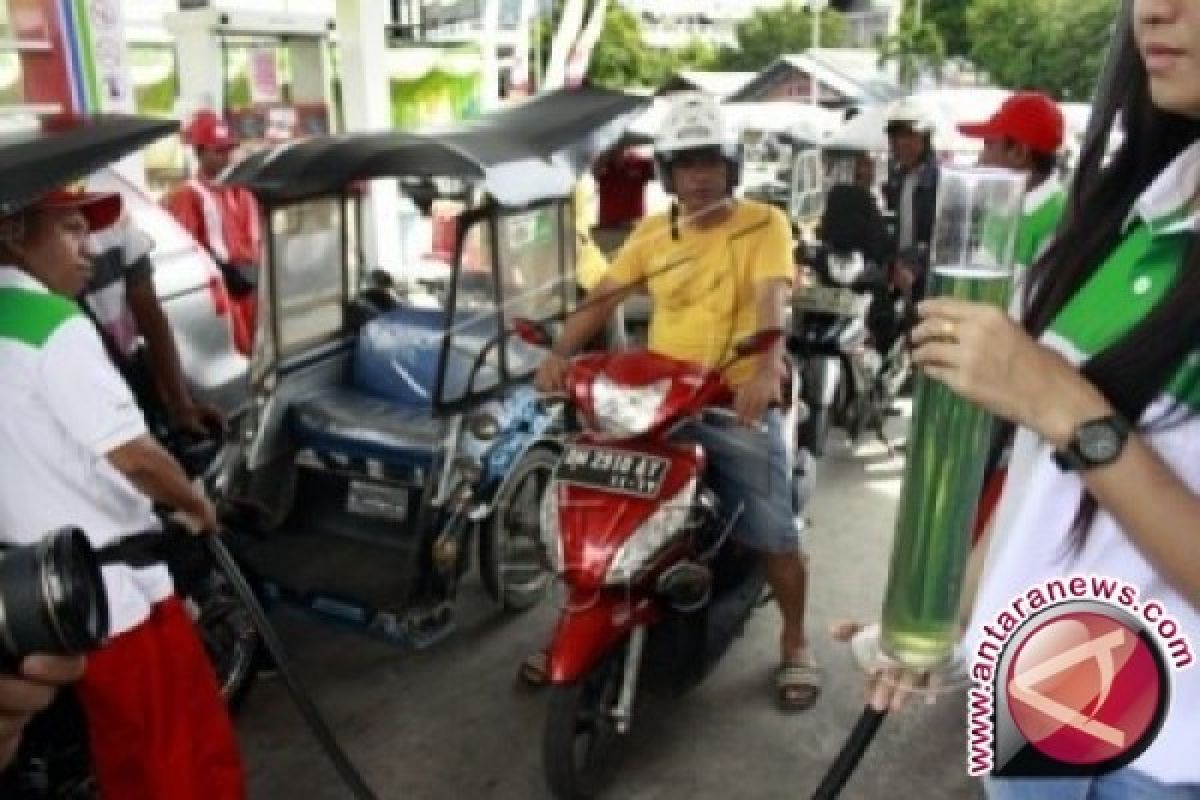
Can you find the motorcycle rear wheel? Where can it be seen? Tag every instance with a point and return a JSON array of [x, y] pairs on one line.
[[581, 736]]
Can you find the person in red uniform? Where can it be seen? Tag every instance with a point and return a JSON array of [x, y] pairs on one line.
[[223, 219], [621, 179]]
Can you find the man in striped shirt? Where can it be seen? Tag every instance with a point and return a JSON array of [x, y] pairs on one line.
[[122, 300]]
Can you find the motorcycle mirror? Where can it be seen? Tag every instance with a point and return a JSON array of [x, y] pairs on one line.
[[381, 279], [759, 342], [531, 332]]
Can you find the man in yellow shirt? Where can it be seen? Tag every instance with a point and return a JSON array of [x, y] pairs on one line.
[[718, 270], [590, 263]]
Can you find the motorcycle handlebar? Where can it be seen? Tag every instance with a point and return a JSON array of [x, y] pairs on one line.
[[196, 453]]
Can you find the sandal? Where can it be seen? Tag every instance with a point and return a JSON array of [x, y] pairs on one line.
[[534, 672], [797, 686]]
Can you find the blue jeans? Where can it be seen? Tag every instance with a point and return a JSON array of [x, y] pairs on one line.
[[1124, 784], [751, 472]]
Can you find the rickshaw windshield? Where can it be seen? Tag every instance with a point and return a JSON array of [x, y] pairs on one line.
[[308, 295], [512, 263]]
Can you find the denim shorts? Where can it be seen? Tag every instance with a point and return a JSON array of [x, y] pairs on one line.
[[751, 472], [1124, 784]]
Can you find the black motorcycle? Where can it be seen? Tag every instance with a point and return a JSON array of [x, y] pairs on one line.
[[846, 334]]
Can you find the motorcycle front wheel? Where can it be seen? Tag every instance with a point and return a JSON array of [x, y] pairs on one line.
[[581, 735], [511, 563], [814, 431]]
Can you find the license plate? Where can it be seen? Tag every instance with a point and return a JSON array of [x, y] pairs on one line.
[[621, 471], [829, 300], [377, 500]]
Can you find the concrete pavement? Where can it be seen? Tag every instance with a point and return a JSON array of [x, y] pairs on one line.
[[448, 723]]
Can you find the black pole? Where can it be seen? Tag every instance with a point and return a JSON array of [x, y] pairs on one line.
[[345, 768], [851, 753]]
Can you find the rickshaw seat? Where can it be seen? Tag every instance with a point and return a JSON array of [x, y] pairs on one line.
[[399, 352], [397, 355], [356, 424], [385, 410]]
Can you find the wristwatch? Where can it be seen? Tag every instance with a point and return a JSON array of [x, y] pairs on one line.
[[1095, 443]]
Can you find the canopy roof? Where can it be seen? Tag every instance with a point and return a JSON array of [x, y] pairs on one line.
[[38, 154], [533, 151]]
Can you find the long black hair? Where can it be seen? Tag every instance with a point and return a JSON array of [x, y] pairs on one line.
[[1134, 370]]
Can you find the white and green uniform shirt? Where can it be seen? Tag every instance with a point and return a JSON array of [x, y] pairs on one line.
[[1035, 515], [1042, 210], [63, 409]]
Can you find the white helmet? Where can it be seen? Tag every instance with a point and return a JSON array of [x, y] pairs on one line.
[[908, 113], [694, 122]]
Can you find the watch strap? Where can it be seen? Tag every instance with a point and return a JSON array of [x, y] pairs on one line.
[[1072, 458]]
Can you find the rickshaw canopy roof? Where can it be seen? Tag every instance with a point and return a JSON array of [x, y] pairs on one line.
[[536, 150], [38, 154]]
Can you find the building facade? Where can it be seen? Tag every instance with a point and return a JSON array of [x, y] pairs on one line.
[[675, 23]]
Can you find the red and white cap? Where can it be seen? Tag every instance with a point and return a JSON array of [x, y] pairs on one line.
[[100, 209], [206, 129]]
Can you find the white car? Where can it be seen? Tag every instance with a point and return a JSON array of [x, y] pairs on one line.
[[192, 294]]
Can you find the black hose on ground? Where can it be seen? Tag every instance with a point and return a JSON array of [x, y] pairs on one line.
[[300, 696], [852, 751]]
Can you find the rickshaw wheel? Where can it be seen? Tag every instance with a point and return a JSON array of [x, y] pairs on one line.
[[511, 564]]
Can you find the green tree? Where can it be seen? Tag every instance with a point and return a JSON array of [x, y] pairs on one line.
[[915, 46], [622, 58], [950, 19], [1056, 46], [696, 54], [773, 32]]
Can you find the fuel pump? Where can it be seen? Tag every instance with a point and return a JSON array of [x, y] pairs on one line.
[[289, 78]]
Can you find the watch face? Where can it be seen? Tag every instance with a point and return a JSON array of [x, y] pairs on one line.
[[1099, 442]]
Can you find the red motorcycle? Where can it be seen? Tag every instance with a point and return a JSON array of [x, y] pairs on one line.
[[655, 589]]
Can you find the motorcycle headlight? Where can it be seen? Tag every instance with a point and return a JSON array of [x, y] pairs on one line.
[[846, 268], [550, 530], [652, 536], [627, 410]]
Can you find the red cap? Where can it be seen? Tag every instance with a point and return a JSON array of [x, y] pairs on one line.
[[101, 209], [206, 129], [1030, 118]]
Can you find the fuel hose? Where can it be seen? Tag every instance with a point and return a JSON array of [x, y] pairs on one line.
[[852, 751], [300, 695]]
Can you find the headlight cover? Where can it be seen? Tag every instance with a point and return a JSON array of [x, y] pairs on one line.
[[846, 268], [626, 411], [652, 536]]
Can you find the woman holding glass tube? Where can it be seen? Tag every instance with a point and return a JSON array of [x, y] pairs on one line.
[[1109, 346]]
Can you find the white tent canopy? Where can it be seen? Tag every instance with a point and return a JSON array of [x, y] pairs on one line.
[[948, 108], [802, 120]]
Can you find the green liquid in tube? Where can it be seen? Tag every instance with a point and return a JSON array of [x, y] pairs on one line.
[[948, 443]]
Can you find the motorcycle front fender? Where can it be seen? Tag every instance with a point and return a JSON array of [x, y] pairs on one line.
[[824, 372], [590, 627]]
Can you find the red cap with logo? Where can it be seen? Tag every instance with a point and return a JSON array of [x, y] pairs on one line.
[[206, 129], [1030, 118], [100, 209]]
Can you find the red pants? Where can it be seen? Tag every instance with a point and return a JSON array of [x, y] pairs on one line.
[[157, 724]]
